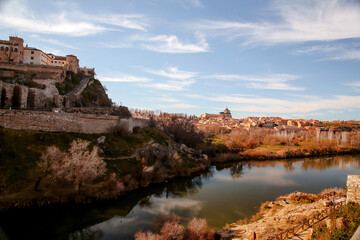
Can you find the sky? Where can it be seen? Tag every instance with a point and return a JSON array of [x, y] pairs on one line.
[[293, 59]]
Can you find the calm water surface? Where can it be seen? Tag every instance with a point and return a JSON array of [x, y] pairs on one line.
[[223, 194]]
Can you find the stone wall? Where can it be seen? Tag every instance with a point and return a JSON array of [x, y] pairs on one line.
[[65, 122], [353, 189], [32, 71]]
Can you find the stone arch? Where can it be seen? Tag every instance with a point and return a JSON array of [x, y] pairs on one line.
[[31, 99], [16, 99], [3, 98]]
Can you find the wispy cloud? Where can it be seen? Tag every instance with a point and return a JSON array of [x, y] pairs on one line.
[[300, 21], [333, 51], [169, 85], [274, 105], [183, 3], [173, 72], [120, 77], [52, 41], [171, 44], [130, 21], [354, 85], [269, 81], [17, 15]]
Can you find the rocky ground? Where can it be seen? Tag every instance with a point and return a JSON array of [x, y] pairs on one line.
[[281, 214]]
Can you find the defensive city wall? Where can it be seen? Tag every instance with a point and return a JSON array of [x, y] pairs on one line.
[[66, 122]]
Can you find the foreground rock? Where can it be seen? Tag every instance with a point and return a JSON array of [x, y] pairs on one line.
[[279, 215]]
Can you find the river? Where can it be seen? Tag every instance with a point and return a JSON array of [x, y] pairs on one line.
[[223, 194]]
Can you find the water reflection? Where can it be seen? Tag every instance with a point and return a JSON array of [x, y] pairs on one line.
[[89, 233], [224, 193]]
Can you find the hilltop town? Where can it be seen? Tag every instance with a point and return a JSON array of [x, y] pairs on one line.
[[224, 122]]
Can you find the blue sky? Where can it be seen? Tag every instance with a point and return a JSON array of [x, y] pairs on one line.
[[295, 59]]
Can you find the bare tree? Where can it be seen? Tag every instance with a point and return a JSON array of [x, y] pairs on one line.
[[81, 165], [78, 165]]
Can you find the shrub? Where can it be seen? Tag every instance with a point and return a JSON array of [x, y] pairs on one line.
[[172, 230], [146, 236], [78, 166], [198, 230]]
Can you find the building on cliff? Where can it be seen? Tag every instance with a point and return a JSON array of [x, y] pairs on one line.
[[31, 78], [14, 52]]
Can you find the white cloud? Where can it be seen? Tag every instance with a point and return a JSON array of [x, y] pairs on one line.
[[269, 81], [173, 72], [333, 51], [170, 85], [300, 21], [52, 41], [171, 44], [17, 15], [274, 105], [124, 78], [354, 85], [130, 21]]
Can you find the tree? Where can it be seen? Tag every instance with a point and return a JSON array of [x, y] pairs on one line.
[[81, 165], [78, 165]]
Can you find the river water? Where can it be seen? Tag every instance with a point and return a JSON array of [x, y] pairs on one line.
[[223, 194]]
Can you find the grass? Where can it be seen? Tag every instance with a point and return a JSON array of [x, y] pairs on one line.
[[350, 217], [95, 95], [71, 81]]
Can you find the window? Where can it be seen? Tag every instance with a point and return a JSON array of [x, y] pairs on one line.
[[32, 52], [32, 57], [31, 63], [6, 49], [2, 48], [52, 61], [55, 61], [15, 50]]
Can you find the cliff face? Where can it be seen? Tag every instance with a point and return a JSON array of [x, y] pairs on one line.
[[76, 90]]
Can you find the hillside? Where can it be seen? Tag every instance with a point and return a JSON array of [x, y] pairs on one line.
[[132, 160]]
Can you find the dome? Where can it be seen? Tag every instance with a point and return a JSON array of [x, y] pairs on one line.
[[227, 111]]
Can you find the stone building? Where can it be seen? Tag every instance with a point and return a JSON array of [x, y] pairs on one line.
[[12, 51], [225, 114]]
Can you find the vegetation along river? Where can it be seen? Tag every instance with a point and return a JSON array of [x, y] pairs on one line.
[[223, 194]]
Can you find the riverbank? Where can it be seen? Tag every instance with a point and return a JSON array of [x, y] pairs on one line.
[[132, 161], [221, 194], [295, 208]]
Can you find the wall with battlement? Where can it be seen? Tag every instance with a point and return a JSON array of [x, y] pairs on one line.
[[66, 122], [353, 189]]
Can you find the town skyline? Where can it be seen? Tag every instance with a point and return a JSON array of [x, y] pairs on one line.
[[294, 59]]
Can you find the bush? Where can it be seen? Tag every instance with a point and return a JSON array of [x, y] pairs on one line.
[[147, 236], [78, 166], [172, 230], [198, 230]]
